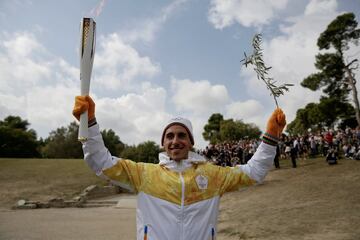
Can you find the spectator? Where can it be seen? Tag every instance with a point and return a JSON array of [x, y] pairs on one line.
[[293, 155], [331, 157]]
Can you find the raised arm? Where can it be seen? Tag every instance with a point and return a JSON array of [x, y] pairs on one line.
[[96, 154], [262, 161], [124, 173]]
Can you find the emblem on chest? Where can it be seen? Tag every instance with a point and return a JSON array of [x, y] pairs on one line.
[[201, 181]]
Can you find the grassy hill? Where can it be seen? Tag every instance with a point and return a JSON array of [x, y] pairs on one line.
[[313, 201], [42, 179]]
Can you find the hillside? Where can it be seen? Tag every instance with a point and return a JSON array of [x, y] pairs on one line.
[[313, 201]]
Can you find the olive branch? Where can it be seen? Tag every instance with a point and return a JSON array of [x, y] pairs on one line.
[[262, 71]]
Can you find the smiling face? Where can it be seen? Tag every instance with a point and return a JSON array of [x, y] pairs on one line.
[[177, 142]]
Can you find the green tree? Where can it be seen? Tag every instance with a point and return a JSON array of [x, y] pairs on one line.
[[15, 122], [336, 77], [316, 116], [231, 130], [130, 152], [63, 143], [212, 128], [16, 139], [333, 110], [144, 152], [112, 142], [148, 152], [219, 129]]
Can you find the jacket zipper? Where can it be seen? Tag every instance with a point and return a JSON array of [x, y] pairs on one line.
[[145, 232], [182, 205]]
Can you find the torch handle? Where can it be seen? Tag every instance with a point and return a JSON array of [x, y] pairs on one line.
[[83, 127], [87, 51]]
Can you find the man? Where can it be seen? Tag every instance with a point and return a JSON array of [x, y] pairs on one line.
[[179, 197]]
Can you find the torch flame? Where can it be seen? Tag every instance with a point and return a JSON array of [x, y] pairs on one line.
[[98, 9]]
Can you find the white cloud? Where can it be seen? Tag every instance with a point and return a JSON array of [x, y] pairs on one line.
[[292, 56], [199, 97], [18, 69], [11, 105], [224, 13], [49, 107], [135, 117], [118, 64], [146, 30], [21, 45], [197, 100], [35, 85], [42, 90], [250, 111], [320, 7]]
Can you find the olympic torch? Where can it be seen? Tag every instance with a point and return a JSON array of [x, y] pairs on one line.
[[87, 53]]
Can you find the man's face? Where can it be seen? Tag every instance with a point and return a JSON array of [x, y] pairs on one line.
[[177, 142]]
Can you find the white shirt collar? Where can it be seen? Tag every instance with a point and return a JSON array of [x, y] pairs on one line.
[[179, 166]]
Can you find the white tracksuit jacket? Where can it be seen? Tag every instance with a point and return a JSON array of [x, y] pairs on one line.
[[176, 201]]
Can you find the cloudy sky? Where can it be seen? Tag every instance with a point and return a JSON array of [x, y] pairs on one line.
[[158, 59]]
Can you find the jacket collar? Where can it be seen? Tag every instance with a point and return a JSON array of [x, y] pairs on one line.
[[193, 158]]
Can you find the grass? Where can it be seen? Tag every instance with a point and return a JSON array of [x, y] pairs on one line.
[[42, 179], [313, 201]]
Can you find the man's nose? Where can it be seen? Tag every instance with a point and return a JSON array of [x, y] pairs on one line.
[[176, 139]]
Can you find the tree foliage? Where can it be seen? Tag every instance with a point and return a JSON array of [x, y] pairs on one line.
[[231, 130], [330, 77], [144, 152], [336, 78], [212, 128], [219, 129], [16, 139], [316, 116], [63, 143], [112, 142], [148, 152], [339, 33]]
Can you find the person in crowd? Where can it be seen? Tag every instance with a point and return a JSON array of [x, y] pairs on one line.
[[331, 156], [277, 156], [313, 146], [293, 156]]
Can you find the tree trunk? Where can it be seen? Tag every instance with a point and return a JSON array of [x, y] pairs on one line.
[[354, 92]]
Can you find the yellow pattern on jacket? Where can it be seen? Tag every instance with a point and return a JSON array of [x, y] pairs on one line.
[[158, 181]]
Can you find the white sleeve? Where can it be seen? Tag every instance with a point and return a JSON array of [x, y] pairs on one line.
[[260, 163], [96, 155]]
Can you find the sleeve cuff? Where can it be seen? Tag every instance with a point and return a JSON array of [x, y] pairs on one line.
[[269, 139], [92, 122]]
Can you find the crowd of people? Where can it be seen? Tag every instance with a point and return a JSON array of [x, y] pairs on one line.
[[231, 153], [331, 144]]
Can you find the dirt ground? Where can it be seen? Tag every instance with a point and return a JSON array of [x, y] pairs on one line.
[[313, 201]]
